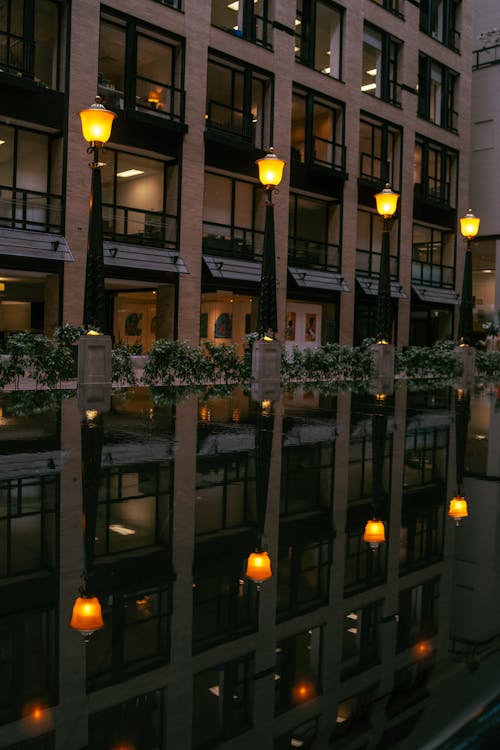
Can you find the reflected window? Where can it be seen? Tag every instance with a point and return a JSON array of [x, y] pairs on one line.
[[297, 677], [307, 477], [426, 453], [410, 686], [314, 233], [360, 482], [303, 578], [137, 722], [417, 613], [135, 635], [248, 19], [32, 41], [353, 714], [222, 701], [380, 64], [233, 217], [238, 103], [379, 152], [28, 676], [140, 200], [364, 568], [30, 180], [302, 736], [134, 508], [393, 6], [317, 130], [28, 524], [360, 644], [151, 79], [223, 606], [422, 532], [318, 35], [436, 93]]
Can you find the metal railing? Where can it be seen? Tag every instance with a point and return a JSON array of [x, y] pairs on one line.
[[160, 98], [130, 225], [368, 263], [373, 168], [436, 191], [30, 209], [230, 120], [430, 274], [313, 254], [482, 58], [17, 55], [328, 154], [232, 241]]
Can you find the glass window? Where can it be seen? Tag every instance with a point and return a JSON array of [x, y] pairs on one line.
[[380, 65], [225, 491], [139, 718], [364, 568], [425, 457], [360, 648], [417, 613], [370, 245], [303, 578], [318, 35], [248, 19], [432, 256], [438, 18], [307, 477], [297, 676], [313, 233], [379, 152], [436, 92]]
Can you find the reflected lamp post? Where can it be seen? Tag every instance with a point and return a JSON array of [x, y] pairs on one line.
[[96, 123], [387, 202], [469, 227]]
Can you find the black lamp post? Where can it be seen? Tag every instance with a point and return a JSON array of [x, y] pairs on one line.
[[270, 175], [469, 227], [96, 124], [387, 201]]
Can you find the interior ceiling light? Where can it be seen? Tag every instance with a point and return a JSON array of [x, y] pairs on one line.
[[119, 529], [1, 142], [325, 70], [297, 22], [130, 173], [487, 270], [372, 72], [369, 87], [234, 6]]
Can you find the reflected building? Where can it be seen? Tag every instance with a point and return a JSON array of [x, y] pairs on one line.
[[344, 646]]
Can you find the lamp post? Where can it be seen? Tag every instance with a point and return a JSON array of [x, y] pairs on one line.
[[469, 227], [387, 202], [270, 175], [96, 122]]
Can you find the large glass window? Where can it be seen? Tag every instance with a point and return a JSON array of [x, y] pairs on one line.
[[436, 93], [303, 578], [138, 720], [307, 477], [361, 484], [30, 180], [425, 456], [222, 701], [435, 173], [360, 648], [432, 257], [151, 80], [421, 533], [297, 676], [31, 40], [318, 35], [317, 131], [380, 65], [438, 18], [140, 200], [233, 217], [248, 19], [239, 102], [313, 233], [417, 613], [379, 152], [364, 568], [370, 245]]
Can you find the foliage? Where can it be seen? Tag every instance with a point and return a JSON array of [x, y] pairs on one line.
[[327, 362], [122, 370], [438, 361], [488, 365], [226, 363], [38, 356], [175, 361], [30, 403], [67, 335]]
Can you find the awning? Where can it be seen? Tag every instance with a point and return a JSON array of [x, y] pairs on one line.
[[233, 268], [121, 255], [34, 245], [307, 277], [436, 294], [370, 286]]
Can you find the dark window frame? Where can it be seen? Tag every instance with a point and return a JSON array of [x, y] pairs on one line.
[[371, 253], [257, 29], [313, 99], [309, 253], [427, 266], [447, 116], [305, 38], [389, 163], [390, 48], [429, 11]]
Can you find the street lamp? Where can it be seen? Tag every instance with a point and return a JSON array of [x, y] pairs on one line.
[[469, 227], [387, 202], [96, 123], [270, 175]]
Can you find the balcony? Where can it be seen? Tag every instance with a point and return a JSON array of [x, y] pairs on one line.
[[368, 264], [428, 274], [129, 225], [321, 152], [374, 169], [313, 254], [233, 122], [232, 242], [30, 209]]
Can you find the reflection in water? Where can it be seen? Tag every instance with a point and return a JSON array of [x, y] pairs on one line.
[[350, 642]]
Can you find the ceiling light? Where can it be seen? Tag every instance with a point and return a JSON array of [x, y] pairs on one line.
[[234, 6], [487, 270], [297, 22], [130, 173], [372, 72], [369, 87], [119, 529], [325, 70], [1, 142]]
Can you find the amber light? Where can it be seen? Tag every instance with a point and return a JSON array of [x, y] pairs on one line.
[[87, 615], [458, 508], [258, 567], [270, 169], [374, 533], [303, 691], [97, 122], [387, 202], [422, 649], [469, 225]]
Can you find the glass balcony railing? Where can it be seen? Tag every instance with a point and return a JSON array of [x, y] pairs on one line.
[[130, 225], [230, 120], [231, 241], [313, 254], [429, 274], [368, 263], [373, 168], [30, 209]]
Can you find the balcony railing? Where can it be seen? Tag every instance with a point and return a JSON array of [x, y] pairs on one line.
[[482, 58], [312, 254], [429, 274], [160, 99], [231, 241], [373, 168], [17, 55], [129, 225], [436, 191], [30, 209], [230, 120], [368, 264]]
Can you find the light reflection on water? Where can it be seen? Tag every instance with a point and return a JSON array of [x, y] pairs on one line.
[[344, 646]]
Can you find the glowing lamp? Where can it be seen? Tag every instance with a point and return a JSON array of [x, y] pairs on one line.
[[374, 533], [469, 225], [86, 616], [458, 508], [258, 568], [387, 202], [97, 122], [303, 691], [270, 169], [422, 649]]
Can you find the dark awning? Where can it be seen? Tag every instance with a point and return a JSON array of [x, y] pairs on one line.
[[370, 286], [34, 245], [122, 255], [233, 268], [308, 277], [436, 294]]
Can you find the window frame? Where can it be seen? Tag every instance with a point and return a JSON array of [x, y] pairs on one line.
[[390, 47], [445, 115], [305, 39]]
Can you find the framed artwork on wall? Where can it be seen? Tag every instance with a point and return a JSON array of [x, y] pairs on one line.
[[291, 318], [310, 328], [224, 326]]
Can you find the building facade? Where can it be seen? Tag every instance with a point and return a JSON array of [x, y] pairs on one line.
[[351, 95]]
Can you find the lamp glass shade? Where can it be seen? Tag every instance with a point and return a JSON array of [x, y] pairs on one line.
[[458, 508], [97, 122], [270, 169], [469, 225], [258, 567], [387, 201], [87, 615], [374, 532]]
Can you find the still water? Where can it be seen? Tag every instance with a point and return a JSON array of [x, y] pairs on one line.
[[153, 503]]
